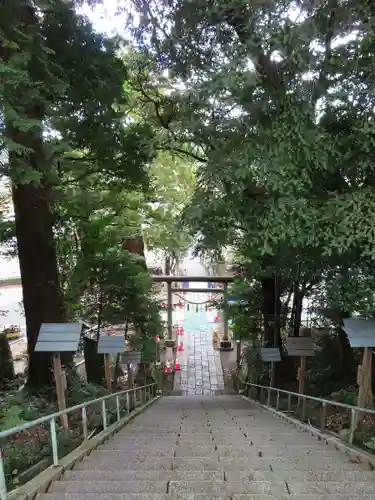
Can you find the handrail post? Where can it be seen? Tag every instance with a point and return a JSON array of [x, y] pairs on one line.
[[269, 396], [127, 403], [323, 416], [289, 402], [303, 412], [104, 415], [277, 400], [353, 425], [3, 483], [118, 408], [84, 423], [53, 434]]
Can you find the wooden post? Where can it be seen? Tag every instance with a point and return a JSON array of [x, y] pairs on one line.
[[60, 392], [364, 380], [169, 310], [272, 374], [226, 335], [238, 353], [301, 378], [107, 368]]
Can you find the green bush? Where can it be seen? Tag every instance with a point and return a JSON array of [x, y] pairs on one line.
[[345, 396]]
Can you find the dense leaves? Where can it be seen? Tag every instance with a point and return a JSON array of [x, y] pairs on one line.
[[277, 100]]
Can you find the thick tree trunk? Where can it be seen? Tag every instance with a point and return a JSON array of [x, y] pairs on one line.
[[271, 313], [6, 361], [297, 305], [94, 362], [42, 297], [29, 172], [346, 355]]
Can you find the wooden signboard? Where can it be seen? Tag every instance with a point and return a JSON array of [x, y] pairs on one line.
[[361, 333], [270, 354], [110, 344], [131, 358], [57, 338], [300, 346]]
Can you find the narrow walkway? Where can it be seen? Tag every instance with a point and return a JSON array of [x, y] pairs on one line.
[[186, 448], [201, 368]]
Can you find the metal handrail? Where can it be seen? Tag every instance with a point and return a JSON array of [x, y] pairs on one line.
[[147, 392], [355, 410]]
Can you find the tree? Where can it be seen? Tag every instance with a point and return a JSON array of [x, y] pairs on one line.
[[172, 185], [273, 118], [60, 87]]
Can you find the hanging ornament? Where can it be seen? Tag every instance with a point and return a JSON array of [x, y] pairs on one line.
[[188, 306], [196, 309]]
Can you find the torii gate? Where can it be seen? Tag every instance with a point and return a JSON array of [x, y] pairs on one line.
[[226, 343]]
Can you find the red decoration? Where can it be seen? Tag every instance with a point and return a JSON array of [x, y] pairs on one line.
[[157, 338], [177, 365], [180, 347], [168, 367], [164, 304], [217, 319], [181, 306]]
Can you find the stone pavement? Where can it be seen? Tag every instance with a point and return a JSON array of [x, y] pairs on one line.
[[201, 370], [206, 448]]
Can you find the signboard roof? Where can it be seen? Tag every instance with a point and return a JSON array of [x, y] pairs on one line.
[[131, 358], [111, 344], [59, 337], [270, 354], [360, 331], [300, 346]]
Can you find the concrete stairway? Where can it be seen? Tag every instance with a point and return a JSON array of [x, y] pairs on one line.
[[186, 448]]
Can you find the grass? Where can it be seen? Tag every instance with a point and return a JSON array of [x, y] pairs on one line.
[[10, 282]]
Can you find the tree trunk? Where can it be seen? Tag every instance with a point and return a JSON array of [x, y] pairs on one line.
[[136, 245], [29, 171], [271, 313], [42, 297], [346, 355], [6, 361], [298, 302], [94, 362]]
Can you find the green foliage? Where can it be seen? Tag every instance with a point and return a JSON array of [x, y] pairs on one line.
[[348, 397], [277, 108]]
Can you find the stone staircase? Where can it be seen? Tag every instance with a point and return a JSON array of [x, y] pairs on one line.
[[206, 448]]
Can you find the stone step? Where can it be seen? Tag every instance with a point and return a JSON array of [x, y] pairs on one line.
[[188, 496], [332, 487], [140, 475], [109, 450], [102, 463], [99, 487], [302, 475], [173, 487], [280, 464], [224, 488]]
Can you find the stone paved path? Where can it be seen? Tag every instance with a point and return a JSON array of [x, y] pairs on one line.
[[201, 369], [213, 448]]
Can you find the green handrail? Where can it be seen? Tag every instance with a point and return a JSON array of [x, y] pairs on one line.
[[147, 392], [355, 410]]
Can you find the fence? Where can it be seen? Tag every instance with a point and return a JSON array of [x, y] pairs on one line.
[[131, 397], [302, 404]]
